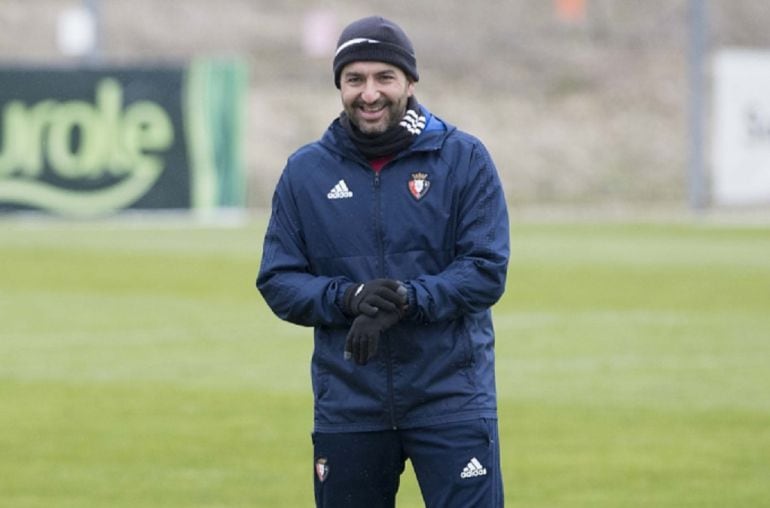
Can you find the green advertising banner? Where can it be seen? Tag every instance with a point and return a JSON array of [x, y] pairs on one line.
[[92, 142]]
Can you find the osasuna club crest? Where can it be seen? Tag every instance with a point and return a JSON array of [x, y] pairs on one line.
[[321, 469], [419, 185]]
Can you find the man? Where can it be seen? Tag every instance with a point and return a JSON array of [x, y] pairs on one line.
[[389, 236]]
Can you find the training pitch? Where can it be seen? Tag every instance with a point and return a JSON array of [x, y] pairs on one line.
[[139, 367]]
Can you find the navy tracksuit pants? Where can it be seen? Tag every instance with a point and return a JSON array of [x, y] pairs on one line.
[[457, 465]]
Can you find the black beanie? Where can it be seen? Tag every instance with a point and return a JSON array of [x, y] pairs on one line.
[[375, 39]]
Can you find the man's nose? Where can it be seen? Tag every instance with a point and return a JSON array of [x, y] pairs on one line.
[[370, 93]]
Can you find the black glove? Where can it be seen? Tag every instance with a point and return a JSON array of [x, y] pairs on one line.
[[373, 296], [364, 334]]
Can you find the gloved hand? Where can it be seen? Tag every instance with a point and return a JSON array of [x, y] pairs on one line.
[[373, 296], [364, 334]]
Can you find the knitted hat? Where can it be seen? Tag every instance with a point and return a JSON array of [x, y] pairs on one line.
[[375, 39]]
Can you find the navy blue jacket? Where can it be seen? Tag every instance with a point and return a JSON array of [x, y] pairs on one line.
[[435, 218]]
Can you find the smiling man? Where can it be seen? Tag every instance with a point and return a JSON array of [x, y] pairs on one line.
[[389, 236], [375, 95]]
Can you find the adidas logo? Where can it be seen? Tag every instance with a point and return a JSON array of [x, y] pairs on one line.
[[473, 469], [340, 191], [413, 122]]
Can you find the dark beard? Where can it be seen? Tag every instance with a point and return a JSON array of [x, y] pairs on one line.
[[395, 138], [395, 114]]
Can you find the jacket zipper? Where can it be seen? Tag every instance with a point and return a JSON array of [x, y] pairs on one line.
[[381, 260], [378, 224]]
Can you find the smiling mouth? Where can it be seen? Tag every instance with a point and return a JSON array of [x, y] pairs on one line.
[[371, 114], [371, 109]]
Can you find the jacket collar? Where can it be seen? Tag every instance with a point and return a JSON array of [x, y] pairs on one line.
[[336, 139]]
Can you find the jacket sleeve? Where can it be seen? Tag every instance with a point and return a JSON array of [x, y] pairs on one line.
[[475, 279], [285, 279]]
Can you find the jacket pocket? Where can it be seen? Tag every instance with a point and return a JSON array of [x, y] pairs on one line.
[[464, 357], [466, 360]]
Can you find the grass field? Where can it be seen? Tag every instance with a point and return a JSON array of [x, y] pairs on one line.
[[140, 368]]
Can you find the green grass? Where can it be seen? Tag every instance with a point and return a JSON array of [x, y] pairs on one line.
[[140, 367]]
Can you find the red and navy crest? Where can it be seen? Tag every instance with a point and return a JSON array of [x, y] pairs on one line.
[[419, 185], [321, 469]]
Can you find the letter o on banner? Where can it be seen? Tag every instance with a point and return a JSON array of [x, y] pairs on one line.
[[74, 140]]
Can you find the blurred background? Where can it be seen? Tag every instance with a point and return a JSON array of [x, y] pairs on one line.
[[139, 367], [581, 102]]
